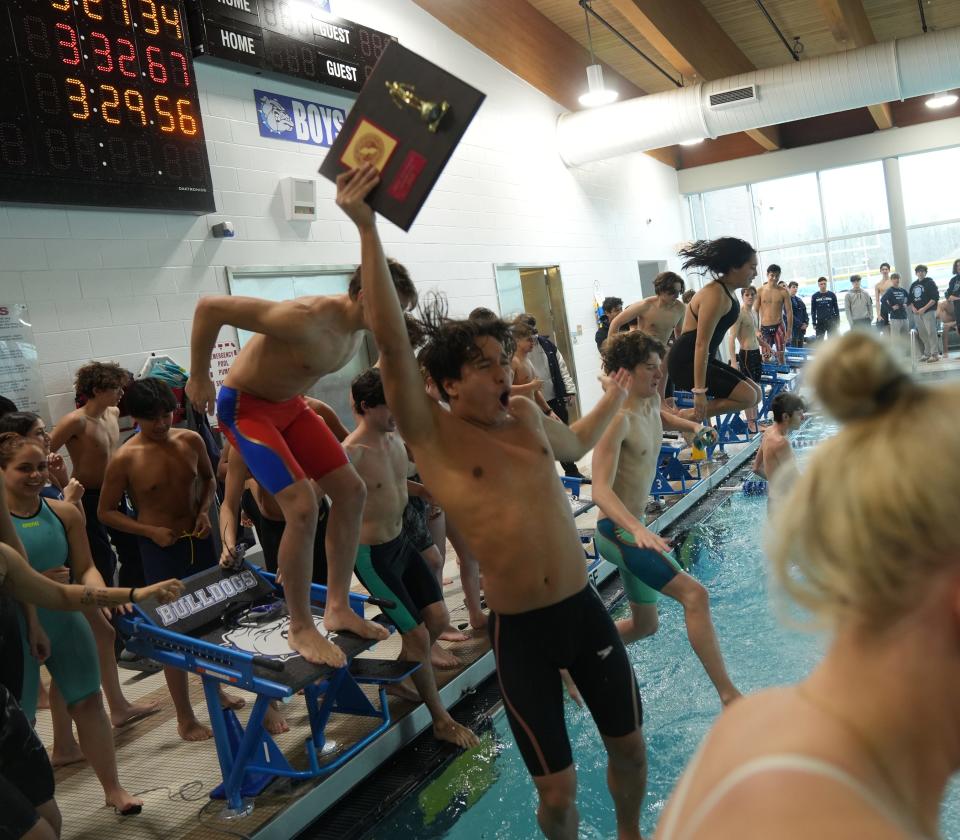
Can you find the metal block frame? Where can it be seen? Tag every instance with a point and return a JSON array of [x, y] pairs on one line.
[[249, 757]]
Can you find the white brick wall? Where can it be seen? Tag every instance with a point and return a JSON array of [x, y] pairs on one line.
[[116, 285]]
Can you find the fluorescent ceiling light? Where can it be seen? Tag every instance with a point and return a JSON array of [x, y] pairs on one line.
[[942, 100], [597, 93], [696, 141]]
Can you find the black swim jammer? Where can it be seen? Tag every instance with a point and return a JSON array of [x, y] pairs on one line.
[[750, 363], [531, 647], [395, 571]]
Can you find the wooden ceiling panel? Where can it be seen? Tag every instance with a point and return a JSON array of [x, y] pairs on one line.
[[568, 15], [751, 31], [901, 18], [728, 147], [554, 61], [514, 34], [828, 127]]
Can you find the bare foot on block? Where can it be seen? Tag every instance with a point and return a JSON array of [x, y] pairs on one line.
[[447, 729], [228, 702], [193, 730], [274, 721], [346, 620], [314, 648], [133, 712], [443, 659], [451, 634]]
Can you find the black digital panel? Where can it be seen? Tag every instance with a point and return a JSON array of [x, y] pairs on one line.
[[293, 37], [100, 106]]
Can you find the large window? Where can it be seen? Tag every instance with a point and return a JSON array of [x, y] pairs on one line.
[[832, 224], [936, 246], [931, 186], [801, 263], [854, 199], [787, 210], [836, 222], [931, 203], [859, 255], [728, 211]]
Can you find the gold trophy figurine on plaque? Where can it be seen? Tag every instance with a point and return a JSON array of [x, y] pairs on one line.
[[432, 113]]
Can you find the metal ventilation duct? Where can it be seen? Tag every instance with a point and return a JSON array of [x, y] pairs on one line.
[[891, 71]]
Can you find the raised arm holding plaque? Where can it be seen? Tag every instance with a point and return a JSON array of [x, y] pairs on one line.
[[406, 123]]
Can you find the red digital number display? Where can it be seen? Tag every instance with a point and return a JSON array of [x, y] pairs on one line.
[[100, 105]]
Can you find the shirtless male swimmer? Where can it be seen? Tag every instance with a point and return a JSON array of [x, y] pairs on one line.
[[387, 563], [285, 444], [624, 465], [168, 476], [660, 316], [483, 461], [772, 303]]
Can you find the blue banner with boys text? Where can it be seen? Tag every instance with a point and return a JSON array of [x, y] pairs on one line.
[[297, 120]]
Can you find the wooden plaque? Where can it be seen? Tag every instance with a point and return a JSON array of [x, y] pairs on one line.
[[397, 138]]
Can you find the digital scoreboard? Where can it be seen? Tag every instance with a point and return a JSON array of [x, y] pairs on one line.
[[297, 38], [98, 106]]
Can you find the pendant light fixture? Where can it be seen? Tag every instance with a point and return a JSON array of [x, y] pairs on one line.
[[597, 93]]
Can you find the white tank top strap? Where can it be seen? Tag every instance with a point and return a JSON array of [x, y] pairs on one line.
[[666, 830], [766, 764]]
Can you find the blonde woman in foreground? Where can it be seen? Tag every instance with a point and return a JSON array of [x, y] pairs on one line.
[[864, 747]]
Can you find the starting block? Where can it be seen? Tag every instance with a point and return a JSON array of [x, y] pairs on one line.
[[796, 357], [775, 382], [671, 469], [579, 506], [230, 627], [731, 428]]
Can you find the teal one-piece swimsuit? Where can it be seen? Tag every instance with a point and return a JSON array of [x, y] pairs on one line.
[[73, 662]]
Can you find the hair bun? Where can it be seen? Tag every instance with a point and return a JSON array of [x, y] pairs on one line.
[[857, 376]]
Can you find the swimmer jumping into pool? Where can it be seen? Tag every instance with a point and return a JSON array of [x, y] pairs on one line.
[[692, 363], [624, 465], [486, 461], [285, 444]]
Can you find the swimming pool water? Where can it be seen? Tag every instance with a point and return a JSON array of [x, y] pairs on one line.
[[487, 794]]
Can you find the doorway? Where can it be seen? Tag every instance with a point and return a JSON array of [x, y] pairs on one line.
[[648, 270], [539, 291]]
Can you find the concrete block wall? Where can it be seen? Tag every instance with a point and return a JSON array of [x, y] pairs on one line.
[[116, 285]]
